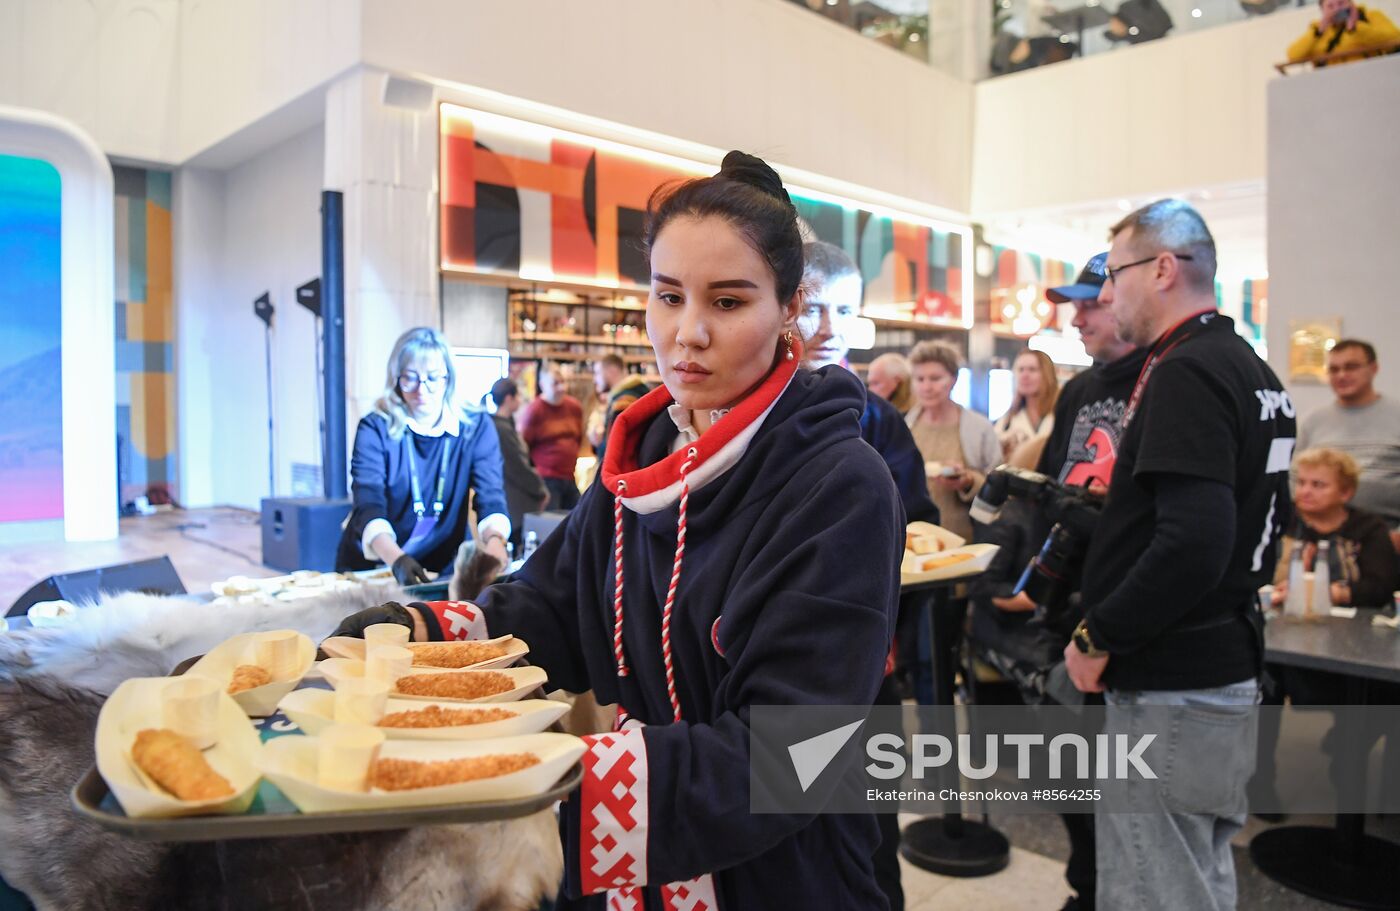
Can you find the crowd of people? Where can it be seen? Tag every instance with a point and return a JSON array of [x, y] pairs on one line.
[[759, 427]]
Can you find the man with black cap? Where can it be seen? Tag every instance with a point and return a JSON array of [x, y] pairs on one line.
[[1081, 450], [1084, 444]]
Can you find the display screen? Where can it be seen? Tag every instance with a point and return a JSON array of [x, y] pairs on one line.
[[31, 339], [477, 370]]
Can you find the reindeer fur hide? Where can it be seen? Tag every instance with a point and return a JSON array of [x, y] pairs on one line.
[[52, 684]]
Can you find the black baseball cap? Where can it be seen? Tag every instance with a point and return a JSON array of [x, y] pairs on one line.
[[1086, 287]]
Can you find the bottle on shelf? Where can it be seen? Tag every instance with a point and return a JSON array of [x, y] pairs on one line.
[[1295, 602], [1322, 582]]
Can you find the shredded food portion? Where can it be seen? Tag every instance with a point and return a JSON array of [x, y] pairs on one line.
[[464, 685], [435, 716], [248, 677], [175, 764], [408, 774], [456, 654]]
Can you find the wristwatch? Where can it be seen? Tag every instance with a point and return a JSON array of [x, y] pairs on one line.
[[1085, 643]]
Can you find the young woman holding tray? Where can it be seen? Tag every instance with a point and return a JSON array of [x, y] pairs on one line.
[[741, 547]]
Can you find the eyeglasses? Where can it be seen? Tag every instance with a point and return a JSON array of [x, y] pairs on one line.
[[410, 381], [1109, 271]]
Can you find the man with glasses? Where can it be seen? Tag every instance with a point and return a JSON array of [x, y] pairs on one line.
[[1080, 451], [1363, 424], [1188, 533]]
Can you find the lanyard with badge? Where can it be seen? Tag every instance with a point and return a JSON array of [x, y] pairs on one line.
[[425, 524], [1173, 337]]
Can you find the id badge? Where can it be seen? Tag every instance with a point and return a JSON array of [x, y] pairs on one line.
[[425, 527]]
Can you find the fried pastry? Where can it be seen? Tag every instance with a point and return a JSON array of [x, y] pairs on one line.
[[949, 560], [456, 654], [435, 716], [408, 774], [467, 685], [174, 764], [248, 677]]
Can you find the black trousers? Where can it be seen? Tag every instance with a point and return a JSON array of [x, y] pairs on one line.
[[886, 859], [1082, 870], [563, 493]]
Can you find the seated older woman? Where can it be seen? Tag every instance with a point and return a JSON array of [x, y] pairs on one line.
[[1361, 560]]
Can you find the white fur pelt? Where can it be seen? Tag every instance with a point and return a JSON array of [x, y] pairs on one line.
[[52, 683]]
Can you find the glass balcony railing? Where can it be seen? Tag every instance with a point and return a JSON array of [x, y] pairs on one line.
[[1031, 33], [974, 39]]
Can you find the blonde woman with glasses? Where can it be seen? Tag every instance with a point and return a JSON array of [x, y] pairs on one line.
[[417, 459]]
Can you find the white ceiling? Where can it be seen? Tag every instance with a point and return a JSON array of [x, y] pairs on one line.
[[1234, 213]]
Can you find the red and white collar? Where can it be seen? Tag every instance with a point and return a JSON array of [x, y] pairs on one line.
[[657, 486]]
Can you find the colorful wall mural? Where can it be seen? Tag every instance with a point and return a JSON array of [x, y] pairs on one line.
[[1019, 281], [526, 201], [31, 327], [1254, 309], [145, 313]]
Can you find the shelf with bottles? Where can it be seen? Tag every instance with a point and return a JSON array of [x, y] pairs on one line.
[[538, 318]]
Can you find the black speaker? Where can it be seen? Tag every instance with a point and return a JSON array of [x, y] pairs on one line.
[[155, 577], [301, 532]]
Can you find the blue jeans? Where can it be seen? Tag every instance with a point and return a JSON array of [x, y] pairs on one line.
[[1178, 855]]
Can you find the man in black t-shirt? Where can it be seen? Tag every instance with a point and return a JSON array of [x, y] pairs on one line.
[[1188, 533], [1081, 451]]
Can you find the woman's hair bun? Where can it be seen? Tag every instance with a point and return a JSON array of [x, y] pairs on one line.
[[749, 169]]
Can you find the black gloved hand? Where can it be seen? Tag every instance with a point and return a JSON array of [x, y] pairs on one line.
[[409, 571], [388, 612]]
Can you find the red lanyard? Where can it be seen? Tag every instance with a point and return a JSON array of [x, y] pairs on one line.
[[1164, 345]]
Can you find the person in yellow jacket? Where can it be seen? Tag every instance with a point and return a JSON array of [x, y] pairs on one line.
[[1344, 26]]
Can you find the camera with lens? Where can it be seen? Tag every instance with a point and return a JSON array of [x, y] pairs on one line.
[[1073, 512]]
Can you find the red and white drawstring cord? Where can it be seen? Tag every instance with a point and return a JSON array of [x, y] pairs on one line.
[[667, 610], [617, 580]]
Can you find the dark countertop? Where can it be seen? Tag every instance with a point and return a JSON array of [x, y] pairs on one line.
[[1352, 647]]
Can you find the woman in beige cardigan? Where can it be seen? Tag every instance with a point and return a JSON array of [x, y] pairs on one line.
[[959, 446]]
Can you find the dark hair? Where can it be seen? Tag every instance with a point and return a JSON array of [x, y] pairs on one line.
[[1366, 348], [825, 262], [750, 196], [613, 360], [503, 389]]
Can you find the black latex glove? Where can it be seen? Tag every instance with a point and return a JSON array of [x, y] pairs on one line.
[[409, 571], [388, 612]]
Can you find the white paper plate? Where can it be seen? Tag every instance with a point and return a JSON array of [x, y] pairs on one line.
[[300, 584], [943, 535], [260, 701], [526, 679], [313, 710], [354, 649], [982, 555], [135, 706], [290, 763]]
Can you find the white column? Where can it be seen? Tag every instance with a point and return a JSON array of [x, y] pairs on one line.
[[198, 216], [384, 159]]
